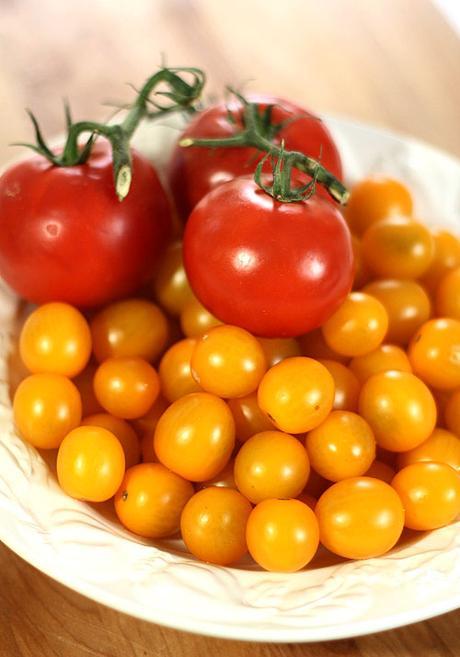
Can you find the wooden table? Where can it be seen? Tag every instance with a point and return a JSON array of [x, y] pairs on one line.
[[395, 63]]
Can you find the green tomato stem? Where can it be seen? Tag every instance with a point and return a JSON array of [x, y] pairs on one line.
[[252, 136]]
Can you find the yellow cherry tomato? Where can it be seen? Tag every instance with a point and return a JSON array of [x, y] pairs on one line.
[[195, 436], [398, 247], [346, 386], [362, 272], [213, 525], [407, 304], [121, 430], [228, 362], [446, 257], [358, 326], [399, 408], [277, 349], [134, 328], [249, 417], [126, 387], [430, 493], [434, 353], [195, 320], [175, 371], [171, 285], [447, 297], [341, 447], [382, 471], [90, 464], [376, 198], [441, 447], [84, 383], [383, 359], [223, 479], [282, 535], [297, 394], [150, 500], [271, 464], [55, 339], [46, 407], [314, 345], [360, 518]]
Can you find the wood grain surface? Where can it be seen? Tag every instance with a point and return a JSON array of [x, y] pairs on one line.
[[395, 63]]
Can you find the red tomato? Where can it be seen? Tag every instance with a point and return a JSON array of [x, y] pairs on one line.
[[64, 235], [194, 171], [275, 269]]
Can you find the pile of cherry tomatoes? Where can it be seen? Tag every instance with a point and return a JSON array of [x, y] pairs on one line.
[[343, 436]]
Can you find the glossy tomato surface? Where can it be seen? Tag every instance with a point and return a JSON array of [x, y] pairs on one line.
[[194, 171], [65, 236], [275, 269]]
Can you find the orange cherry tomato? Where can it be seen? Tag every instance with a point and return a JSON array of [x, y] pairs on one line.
[[362, 273], [175, 371], [271, 464], [407, 304], [171, 285], [297, 394], [376, 198], [195, 436], [360, 518], [126, 387], [282, 535], [248, 416], [213, 525], [341, 447], [195, 320], [223, 479], [314, 346], [121, 430], [46, 407], [441, 447], [277, 349], [398, 247], [382, 471], [132, 328], [55, 339], [90, 464], [346, 386], [434, 353], [358, 326], [228, 362], [383, 359], [430, 493], [446, 257], [150, 500], [447, 297], [84, 383], [399, 408]]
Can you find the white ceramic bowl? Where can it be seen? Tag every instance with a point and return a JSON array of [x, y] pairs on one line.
[[84, 548]]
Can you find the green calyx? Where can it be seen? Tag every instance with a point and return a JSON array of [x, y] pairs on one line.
[[169, 90], [258, 132]]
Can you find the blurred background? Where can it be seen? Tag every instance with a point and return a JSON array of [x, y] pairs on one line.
[[395, 63]]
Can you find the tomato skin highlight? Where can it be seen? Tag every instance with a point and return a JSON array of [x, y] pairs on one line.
[[194, 171], [275, 269], [64, 235]]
